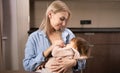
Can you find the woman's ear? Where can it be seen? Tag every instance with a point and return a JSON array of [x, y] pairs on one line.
[[50, 14]]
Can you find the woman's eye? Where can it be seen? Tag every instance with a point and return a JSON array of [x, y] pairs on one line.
[[62, 18]]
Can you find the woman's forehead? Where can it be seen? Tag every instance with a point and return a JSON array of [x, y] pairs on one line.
[[60, 14]]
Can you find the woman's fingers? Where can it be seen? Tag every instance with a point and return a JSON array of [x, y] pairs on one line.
[[57, 67], [62, 66], [61, 70]]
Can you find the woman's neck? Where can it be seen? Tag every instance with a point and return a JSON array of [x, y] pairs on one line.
[[54, 35], [50, 31]]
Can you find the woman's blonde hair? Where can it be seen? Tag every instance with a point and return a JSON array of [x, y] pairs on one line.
[[55, 6]]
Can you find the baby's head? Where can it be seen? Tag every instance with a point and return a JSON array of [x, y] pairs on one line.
[[81, 45]]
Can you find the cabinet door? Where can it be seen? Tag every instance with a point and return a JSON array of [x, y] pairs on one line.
[[106, 52], [114, 64]]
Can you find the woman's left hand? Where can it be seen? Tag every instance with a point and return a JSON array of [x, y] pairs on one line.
[[63, 65]]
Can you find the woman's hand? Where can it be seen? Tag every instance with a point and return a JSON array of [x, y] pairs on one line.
[[61, 66]]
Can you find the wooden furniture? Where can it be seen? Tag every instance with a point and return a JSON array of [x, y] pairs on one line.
[[106, 50]]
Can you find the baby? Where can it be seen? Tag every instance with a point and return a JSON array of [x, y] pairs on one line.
[[76, 49]]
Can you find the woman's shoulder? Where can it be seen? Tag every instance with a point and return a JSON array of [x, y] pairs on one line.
[[68, 30], [37, 33]]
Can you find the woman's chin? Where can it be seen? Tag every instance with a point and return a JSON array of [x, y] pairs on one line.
[[57, 29]]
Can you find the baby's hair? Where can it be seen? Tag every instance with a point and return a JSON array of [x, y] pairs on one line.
[[81, 45]]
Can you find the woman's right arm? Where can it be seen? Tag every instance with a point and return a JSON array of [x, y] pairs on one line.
[[48, 51], [35, 52], [37, 48], [32, 59]]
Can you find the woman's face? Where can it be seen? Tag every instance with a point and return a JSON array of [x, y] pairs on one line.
[[58, 20]]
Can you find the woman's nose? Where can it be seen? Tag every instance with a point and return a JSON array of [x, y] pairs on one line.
[[64, 23]]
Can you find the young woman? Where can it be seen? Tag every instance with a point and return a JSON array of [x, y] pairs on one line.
[[41, 42]]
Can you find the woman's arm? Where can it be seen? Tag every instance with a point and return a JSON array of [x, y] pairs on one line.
[[37, 48], [32, 59]]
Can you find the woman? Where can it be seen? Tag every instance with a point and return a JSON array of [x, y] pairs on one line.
[[41, 42]]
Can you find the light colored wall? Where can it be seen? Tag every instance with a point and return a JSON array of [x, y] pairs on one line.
[[13, 36], [103, 13], [23, 28], [15, 28], [40, 8]]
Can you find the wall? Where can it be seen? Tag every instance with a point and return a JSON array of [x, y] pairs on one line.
[[23, 27], [15, 28], [102, 13]]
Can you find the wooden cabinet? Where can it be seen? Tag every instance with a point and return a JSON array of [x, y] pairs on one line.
[[106, 52]]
